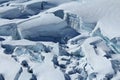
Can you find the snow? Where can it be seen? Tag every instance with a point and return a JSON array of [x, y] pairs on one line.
[[93, 12], [19, 42], [46, 70], [117, 77], [9, 29], [7, 12], [7, 64], [5, 22], [25, 75], [43, 20], [44, 27], [101, 65], [60, 39]]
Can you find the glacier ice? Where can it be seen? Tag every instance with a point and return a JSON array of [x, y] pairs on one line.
[[78, 23], [8, 12], [73, 21], [24, 10], [3, 1], [1, 77], [9, 30], [47, 30], [59, 40], [59, 13]]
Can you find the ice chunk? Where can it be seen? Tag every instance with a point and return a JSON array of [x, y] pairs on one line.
[[30, 50], [31, 55], [73, 21], [98, 65], [10, 12], [37, 6], [114, 47], [76, 22], [78, 39], [46, 30], [9, 30]]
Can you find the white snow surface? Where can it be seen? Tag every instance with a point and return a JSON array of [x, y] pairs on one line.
[[101, 11], [8, 67], [64, 50]]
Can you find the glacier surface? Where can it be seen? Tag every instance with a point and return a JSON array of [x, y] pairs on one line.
[[59, 40]]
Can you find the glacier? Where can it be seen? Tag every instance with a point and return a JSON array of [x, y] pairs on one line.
[[59, 40]]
